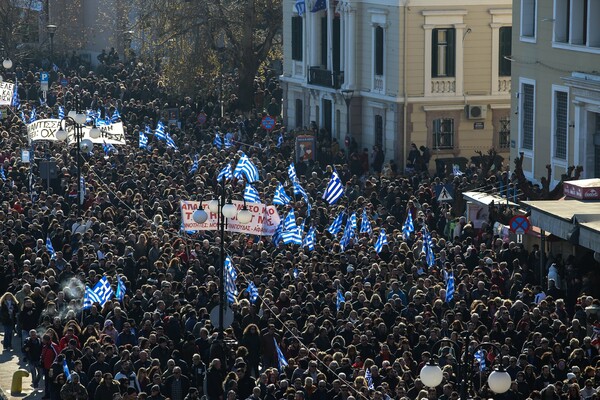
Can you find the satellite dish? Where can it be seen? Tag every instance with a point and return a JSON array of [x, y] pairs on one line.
[[227, 317]]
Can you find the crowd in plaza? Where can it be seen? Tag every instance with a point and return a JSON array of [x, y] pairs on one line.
[[155, 343]]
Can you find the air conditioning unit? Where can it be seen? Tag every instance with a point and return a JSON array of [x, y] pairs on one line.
[[476, 112]]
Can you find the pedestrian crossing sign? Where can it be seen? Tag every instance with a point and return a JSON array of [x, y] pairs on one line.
[[444, 193]]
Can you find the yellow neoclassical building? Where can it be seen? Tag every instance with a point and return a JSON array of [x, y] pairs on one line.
[[430, 72]]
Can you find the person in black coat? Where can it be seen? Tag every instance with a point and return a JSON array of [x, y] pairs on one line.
[[177, 385], [32, 348], [251, 341], [214, 381]]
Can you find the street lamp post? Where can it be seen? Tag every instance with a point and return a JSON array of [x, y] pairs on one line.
[[348, 94], [225, 210], [76, 120], [51, 29], [127, 38], [431, 375]]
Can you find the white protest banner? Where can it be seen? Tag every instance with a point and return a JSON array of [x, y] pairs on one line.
[[111, 134], [43, 129], [264, 222], [6, 93]]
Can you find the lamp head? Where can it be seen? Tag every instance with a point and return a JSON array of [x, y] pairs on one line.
[[95, 132], [86, 146], [229, 210], [200, 216], [244, 216], [7, 63], [61, 134], [213, 205], [431, 375]]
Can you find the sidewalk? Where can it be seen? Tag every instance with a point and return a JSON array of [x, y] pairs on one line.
[[10, 362]]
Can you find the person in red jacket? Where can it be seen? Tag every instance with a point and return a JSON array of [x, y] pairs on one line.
[[64, 342], [49, 353]]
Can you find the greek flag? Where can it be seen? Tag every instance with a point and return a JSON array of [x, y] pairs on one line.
[[115, 117], [456, 170], [121, 289], [280, 357], [253, 291], [170, 142], [450, 288], [218, 142], [365, 224], [292, 173], [66, 371], [336, 225], [334, 190], [300, 7], [159, 132], [108, 148], [319, 5], [16, 102], [194, 167], [33, 116], [281, 198], [308, 208], [89, 298], [230, 277], [349, 232], [2, 173], [55, 67], [61, 112], [428, 248], [291, 233], [310, 239], [103, 291], [381, 240], [247, 168], [298, 189], [225, 173], [49, 247], [339, 300], [480, 358], [369, 379], [280, 140], [278, 234], [228, 142], [143, 143], [81, 190], [408, 226], [251, 194]]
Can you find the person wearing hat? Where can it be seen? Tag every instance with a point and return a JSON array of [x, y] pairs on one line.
[[73, 389]]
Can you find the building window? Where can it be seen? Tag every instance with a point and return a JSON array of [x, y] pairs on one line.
[[505, 51], [443, 133], [297, 47], [561, 110], [528, 113], [379, 51], [379, 131], [528, 18], [562, 20], [443, 53], [504, 133], [299, 115], [575, 22]]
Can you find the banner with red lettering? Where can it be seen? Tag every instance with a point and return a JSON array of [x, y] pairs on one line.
[[265, 219]]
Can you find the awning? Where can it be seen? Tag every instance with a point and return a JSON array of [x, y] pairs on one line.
[[486, 199]]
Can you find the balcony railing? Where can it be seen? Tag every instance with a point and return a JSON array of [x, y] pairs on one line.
[[378, 83], [443, 85], [504, 84], [326, 78]]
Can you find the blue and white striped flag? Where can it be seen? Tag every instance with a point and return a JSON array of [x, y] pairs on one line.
[[159, 132], [81, 190], [334, 190], [252, 291], [218, 141], [427, 248], [365, 224], [2, 173], [194, 167], [336, 225], [280, 357], [225, 173], [230, 277], [300, 7], [16, 102], [340, 299], [143, 143], [278, 234], [33, 116], [450, 288], [247, 168], [61, 112], [108, 148], [50, 248], [66, 371], [121, 289], [280, 140], [89, 298], [381, 240], [298, 189], [295, 273], [170, 142], [115, 117], [480, 358], [456, 170], [251, 194], [310, 239], [408, 226], [369, 379], [228, 143], [291, 233], [103, 291], [349, 232], [281, 198], [55, 67], [291, 170]]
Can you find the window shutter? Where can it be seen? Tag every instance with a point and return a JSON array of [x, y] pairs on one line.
[[336, 44], [451, 54], [434, 53], [379, 51], [505, 50], [324, 42], [297, 38]]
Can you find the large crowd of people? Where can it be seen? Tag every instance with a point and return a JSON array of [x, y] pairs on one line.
[[158, 341]]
